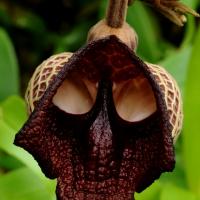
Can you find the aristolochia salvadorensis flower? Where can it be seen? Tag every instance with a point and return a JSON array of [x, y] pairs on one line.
[[102, 121]]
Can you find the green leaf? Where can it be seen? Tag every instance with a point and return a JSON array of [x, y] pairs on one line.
[[191, 3], [191, 136], [5, 18], [14, 112], [9, 83], [151, 193], [176, 177], [7, 135], [145, 25], [8, 162], [22, 184], [29, 21], [102, 10], [1, 113], [171, 192], [72, 41], [189, 32]]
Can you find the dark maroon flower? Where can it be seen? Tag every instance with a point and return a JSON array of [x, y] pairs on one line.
[[116, 136]]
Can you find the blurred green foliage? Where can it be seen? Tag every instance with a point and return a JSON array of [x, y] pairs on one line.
[[31, 31]]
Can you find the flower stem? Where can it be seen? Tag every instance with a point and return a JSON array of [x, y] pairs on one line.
[[116, 13]]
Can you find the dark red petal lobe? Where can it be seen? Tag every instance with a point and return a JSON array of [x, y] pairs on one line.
[[98, 155]]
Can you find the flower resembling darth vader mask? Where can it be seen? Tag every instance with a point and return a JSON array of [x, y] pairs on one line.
[[101, 121]]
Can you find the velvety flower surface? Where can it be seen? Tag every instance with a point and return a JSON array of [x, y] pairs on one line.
[[99, 154]]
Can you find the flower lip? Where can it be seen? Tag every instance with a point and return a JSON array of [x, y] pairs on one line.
[[63, 146]]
